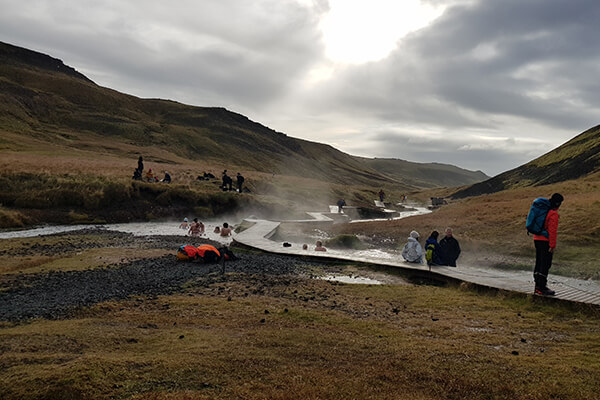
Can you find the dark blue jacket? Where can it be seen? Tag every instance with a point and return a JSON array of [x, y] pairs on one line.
[[437, 257]]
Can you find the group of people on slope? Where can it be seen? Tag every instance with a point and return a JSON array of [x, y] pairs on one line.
[[138, 174], [444, 252], [228, 182], [197, 228]]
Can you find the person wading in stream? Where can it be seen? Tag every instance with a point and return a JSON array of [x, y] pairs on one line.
[[544, 247]]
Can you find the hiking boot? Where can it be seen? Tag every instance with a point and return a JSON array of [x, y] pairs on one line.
[[544, 291]]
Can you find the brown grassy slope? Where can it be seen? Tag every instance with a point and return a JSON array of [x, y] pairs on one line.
[[66, 108], [497, 222], [287, 338], [577, 158]]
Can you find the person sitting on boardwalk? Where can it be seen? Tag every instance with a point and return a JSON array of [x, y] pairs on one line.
[[319, 246], [432, 250], [225, 230], [413, 252], [197, 228], [450, 249], [184, 224]]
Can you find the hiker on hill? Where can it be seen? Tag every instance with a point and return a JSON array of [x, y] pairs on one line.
[[450, 249], [432, 250], [150, 176], [544, 247], [140, 165], [227, 181], [381, 195], [167, 177], [413, 252], [240, 182]]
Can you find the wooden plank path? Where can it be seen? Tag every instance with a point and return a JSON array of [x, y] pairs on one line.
[[259, 231]]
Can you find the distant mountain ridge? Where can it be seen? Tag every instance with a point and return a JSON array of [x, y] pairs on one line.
[[576, 158], [41, 97]]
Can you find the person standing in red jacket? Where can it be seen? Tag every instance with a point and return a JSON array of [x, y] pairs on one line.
[[544, 247]]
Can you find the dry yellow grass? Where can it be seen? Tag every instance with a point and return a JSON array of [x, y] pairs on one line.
[[375, 342]]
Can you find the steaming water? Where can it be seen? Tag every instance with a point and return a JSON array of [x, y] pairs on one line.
[[351, 279], [170, 228]]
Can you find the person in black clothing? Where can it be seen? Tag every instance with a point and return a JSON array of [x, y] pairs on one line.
[[141, 165], [450, 249], [240, 182], [167, 177], [227, 181]]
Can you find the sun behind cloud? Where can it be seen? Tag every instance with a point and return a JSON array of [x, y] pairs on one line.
[[358, 31]]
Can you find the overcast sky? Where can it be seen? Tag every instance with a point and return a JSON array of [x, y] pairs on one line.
[[482, 84]]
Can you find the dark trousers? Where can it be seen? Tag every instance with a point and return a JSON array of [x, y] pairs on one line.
[[543, 262]]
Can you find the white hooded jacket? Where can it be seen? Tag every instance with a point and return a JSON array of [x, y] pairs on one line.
[[413, 252]]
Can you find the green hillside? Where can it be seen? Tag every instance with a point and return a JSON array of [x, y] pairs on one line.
[[575, 159]]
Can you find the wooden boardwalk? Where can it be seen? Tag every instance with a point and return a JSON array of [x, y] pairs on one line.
[[259, 231]]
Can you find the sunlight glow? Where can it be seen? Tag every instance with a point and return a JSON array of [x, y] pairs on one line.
[[358, 31]]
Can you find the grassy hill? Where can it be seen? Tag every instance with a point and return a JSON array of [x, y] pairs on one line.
[[424, 175], [577, 158], [70, 146]]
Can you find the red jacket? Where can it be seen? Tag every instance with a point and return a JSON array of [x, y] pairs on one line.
[[551, 226]]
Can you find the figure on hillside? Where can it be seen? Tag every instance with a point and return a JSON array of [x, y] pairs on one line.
[[137, 175], [381, 195], [450, 249], [319, 246], [341, 204], [412, 251], [225, 230], [167, 178], [240, 182], [196, 228], [545, 245], [184, 224], [150, 176], [433, 253], [140, 164], [227, 181]]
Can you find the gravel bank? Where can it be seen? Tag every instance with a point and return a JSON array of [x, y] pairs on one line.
[[54, 294]]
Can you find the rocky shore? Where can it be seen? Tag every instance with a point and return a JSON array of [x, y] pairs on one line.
[[56, 293]]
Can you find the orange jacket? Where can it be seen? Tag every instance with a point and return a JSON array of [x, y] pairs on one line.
[[551, 226], [207, 247]]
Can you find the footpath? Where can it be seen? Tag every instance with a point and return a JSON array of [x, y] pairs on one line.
[[258, 232]]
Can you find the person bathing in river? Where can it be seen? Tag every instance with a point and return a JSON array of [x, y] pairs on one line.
[[319, 246], [225, 230], [413, 252], [197, 228], [184, 224]]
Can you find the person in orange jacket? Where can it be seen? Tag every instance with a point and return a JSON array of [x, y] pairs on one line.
[[544, 247]]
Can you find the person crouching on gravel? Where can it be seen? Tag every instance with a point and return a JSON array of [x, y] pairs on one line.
[[413, 252]]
